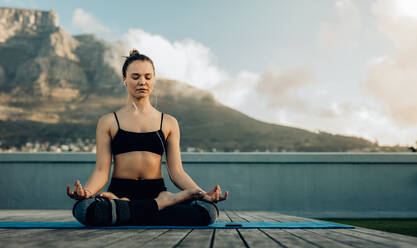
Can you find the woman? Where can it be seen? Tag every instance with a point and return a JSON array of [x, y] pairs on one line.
[[137, 194]]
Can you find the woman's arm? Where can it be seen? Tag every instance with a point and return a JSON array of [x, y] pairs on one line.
[[178, 176], [101, 172], [175, 169]]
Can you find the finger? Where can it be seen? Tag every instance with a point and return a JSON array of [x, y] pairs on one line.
[[219, 189], [79, 189], [75, 187], [69, 193], [225, 196], [212, 191], [215, 188], [82, 190]]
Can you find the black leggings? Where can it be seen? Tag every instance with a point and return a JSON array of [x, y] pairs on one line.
[[142, 209]]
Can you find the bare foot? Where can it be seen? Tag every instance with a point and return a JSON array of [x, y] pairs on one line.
[[112, 196], [166, 198]]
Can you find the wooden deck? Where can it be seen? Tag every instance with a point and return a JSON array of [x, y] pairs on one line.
[[358, 237]]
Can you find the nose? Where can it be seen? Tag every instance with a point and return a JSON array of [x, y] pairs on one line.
[[141, 80]]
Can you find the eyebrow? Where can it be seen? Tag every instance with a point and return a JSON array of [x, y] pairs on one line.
[[135, 73]]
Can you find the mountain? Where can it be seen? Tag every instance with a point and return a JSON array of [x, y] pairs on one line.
[[55, 86]]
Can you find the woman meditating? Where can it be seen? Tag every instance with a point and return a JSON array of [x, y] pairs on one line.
[[137, 194]]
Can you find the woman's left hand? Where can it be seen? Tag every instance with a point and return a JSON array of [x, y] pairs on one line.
[[215, 195], [78, 193]]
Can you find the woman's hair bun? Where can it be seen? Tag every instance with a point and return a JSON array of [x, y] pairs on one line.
[[133, 51]]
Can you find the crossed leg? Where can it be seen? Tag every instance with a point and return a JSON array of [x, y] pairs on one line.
[[166, 209], [187, 213]]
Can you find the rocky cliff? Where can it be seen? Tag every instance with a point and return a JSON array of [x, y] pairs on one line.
[[50, 76], [40, 59], [26, 22]]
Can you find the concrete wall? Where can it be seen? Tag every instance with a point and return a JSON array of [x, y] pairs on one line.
[[356, 185]]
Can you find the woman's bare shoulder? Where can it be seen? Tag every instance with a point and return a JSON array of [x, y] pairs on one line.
[[106, 121], [171, 124], [170, 120]]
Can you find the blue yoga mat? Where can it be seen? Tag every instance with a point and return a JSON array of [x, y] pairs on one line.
[[219, 225]]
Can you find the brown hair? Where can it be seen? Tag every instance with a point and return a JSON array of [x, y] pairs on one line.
[[135, 55]]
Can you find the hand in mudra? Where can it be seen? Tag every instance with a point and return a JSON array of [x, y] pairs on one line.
[[78, 193], [215, 195]]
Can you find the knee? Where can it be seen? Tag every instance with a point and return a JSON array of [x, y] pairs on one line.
[[98, 211], [82, 209], [211, 209]]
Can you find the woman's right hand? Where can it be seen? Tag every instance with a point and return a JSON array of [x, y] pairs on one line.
[[78, 193], [215, 195]]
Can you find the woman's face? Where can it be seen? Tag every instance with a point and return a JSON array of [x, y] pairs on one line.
[[139, 78]]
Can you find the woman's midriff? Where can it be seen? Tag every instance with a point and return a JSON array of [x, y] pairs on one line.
[[127, 166]]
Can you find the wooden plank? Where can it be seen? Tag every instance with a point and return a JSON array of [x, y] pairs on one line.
[[393, 236], [301, 234], [198, 238], [38, 239], [36, 215], [359, 237], [21, 233], [249, 216], [310, 237], [283, 218], [286, 239], [234, 217], [319, 240], [168, 239], [370, 238], [222, 217], [102, 236], [138, 239], [280, 236], [253, 237], [227, 237], [346, 239]]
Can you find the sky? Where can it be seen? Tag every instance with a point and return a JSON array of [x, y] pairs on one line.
[[340, 66]]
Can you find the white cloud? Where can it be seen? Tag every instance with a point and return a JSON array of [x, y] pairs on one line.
[[87, 23], [283, 96], [342, 33], [293, 96], [283, 88], [392, 78], [186, 61]]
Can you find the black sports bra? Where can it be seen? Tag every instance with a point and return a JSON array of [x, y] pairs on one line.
[[126, 141]]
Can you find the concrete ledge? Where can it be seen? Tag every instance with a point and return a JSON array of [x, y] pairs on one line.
[[318, 185]]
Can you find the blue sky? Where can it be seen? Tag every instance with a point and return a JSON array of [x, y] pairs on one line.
[[331, 65]]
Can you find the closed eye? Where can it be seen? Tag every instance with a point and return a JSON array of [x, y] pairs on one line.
[[136, 76]]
